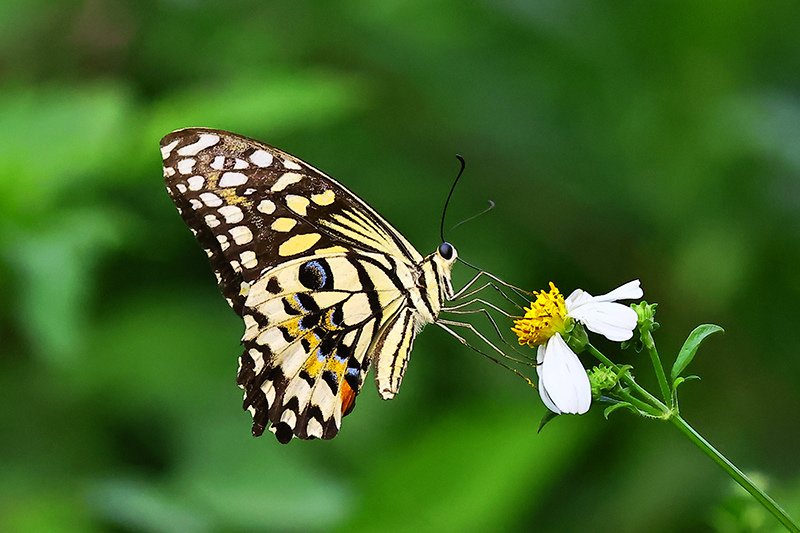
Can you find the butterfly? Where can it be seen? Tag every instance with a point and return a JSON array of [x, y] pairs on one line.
[[325, 286]]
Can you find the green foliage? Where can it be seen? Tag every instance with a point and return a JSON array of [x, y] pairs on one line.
[[690, 347], [619, 141]]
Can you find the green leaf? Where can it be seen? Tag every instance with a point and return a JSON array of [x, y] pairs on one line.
[[621, 405], [689, 348], [548, 416]]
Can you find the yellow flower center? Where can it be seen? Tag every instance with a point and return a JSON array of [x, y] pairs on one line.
[[546, 316]]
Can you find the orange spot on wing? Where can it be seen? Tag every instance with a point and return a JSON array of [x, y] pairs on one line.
[[348, 396]]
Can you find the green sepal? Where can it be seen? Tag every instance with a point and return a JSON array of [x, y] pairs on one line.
[[575, 336], [690, 346], [548, 416]]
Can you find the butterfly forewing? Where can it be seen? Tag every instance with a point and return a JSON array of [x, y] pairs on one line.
[[263, 206], [320, 279]]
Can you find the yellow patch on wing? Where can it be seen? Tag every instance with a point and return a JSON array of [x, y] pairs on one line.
[[298, 204], [284, 224], [298, 244], [331, 250], [324, 198]]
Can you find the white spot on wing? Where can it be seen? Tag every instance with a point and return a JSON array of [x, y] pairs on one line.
[[241, 234], [218, 162], [314, 428], [291, 165], [166, 150], [232, 179], [181, 188], [169, 172], [266, 206], [248, 259], [240, 164], [261, 158], [212, 221], [185, 166], [258, 359], [289, 417], [206, 140], [231, 213], [196, 204], [211, 199], [195, 183]]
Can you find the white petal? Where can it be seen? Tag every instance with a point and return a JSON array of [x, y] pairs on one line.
[[614, 321], [563, 378], [578, 297], [629, 291], [548, 402]]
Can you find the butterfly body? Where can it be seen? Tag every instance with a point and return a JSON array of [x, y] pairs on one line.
[[325, 286]]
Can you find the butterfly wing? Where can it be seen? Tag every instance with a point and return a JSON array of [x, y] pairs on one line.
[[317, 275], [253, 206]]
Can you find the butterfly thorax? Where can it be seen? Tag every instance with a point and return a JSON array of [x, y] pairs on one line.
[[432, 288]]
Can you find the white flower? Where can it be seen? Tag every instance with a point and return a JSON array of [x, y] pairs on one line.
[[563, 382]]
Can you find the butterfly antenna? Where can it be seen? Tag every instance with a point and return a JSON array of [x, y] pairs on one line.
[[450, 194], [473, 217]]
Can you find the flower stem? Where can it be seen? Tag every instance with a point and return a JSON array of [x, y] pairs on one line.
[[737, 475], [671, 414], [629, 380], [639, 404], [650, 344]]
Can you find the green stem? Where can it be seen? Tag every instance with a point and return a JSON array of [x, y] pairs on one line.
[[739, 476], [671, 414], [650, 344], [629, 380], [639, 404]]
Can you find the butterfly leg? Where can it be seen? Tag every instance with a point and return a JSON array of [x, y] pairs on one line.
[[459, 306], [463, 292], [482, 337], [444, 325], [459, 311]]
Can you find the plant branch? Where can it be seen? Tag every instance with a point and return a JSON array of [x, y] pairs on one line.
[[739, 476]]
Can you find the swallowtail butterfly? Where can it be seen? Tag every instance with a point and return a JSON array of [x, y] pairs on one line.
[[325, 286]]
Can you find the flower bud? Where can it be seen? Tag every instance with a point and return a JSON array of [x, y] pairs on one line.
[[602, 378], [646, 314]]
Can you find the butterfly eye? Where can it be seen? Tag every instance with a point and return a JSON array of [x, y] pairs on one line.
[[446, 250]]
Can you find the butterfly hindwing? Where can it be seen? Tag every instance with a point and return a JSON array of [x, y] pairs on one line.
[[319, 278], [310, 324]]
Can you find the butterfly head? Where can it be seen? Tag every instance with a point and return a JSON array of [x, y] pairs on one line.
[[442, 261], [447, 252]]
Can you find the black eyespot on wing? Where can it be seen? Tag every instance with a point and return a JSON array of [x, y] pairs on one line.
[[446, 250], [316, 275]]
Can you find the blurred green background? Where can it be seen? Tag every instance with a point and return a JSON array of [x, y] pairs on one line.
[[656, 140]]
